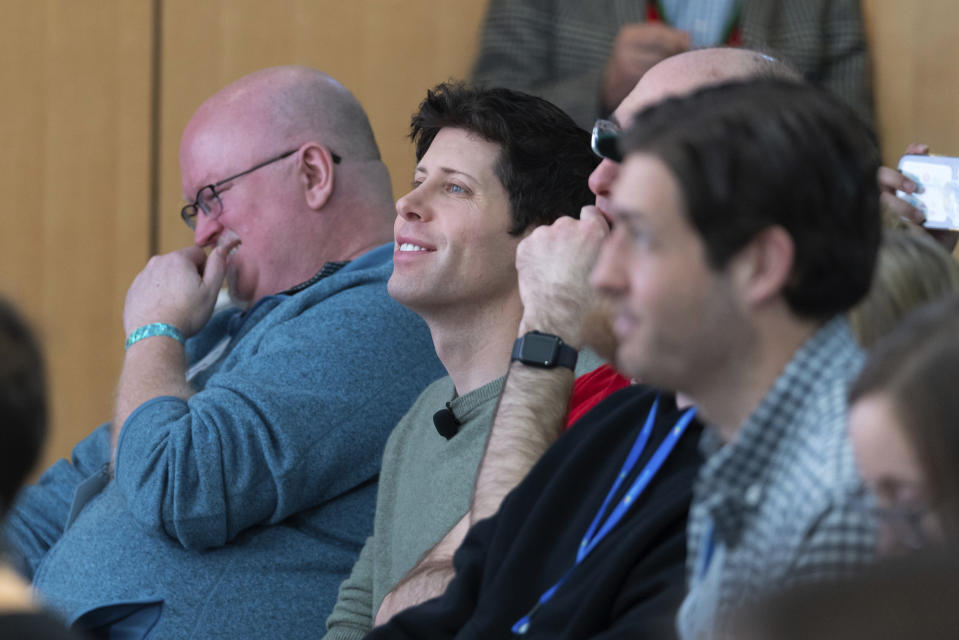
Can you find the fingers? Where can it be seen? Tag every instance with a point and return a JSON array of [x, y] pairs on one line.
[[640, 46], [194, 254], [897, 207], [215, 270], [673, 41], [562, 252], [178, 288], [590, 214], [891, 180], [655, 36], [573, 235]]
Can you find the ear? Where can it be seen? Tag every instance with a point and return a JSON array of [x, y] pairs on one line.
[[316, 165], [763, 267]]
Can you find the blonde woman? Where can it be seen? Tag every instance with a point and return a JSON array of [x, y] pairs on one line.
[[912, 269]]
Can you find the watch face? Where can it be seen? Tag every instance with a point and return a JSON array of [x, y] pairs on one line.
[[540, 349]]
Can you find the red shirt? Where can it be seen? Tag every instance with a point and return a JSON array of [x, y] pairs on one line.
[[592, 387]]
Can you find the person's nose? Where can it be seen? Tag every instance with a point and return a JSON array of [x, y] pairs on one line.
[[413, 206], [602, 178], [207, 230]]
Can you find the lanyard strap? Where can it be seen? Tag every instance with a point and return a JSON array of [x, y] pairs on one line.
[[706, 549], [599, 528], [590, 539]]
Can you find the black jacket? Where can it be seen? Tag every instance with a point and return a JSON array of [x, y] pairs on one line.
[[632, 582]]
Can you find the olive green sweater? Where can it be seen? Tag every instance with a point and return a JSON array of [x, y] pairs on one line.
[[426, 484]]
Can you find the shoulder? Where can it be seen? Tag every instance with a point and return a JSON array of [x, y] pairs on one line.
[[613, 424], [820, 446], [354, 304], [430, 400], [815, 481], [624, 407]]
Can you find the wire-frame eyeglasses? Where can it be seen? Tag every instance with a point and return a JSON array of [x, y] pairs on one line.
[[208, 199]]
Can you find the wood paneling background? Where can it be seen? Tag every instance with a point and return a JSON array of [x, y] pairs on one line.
[[97, 93], [74, 182], [915, 53]]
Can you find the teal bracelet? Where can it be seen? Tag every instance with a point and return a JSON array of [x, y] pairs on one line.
[[155, 329]]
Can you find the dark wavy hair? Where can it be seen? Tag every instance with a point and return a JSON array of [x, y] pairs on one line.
[[545, 158], [23, 406], [753, 154]]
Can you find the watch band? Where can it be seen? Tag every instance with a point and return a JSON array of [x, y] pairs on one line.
[[544, 350]]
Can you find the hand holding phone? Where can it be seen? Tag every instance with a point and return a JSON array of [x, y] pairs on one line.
[[937, 195]]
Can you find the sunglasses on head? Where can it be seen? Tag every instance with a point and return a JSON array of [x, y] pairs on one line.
[[605, 140]]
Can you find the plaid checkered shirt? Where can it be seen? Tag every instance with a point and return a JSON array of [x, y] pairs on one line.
[[780, 504]]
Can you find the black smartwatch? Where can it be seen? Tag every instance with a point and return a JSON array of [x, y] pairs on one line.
[[544, 350]]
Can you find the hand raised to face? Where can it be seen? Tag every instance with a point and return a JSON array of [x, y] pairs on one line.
[[178, 288], [553, 264]]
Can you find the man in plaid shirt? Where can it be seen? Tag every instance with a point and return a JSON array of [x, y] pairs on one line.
[[743, 230]]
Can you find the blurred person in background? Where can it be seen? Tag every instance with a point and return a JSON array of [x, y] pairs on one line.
[[901, 598], [912, 269], [23, 426], [903, 427], [587, 56]]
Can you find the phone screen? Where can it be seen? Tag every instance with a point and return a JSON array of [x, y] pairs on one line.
[[938, 193]]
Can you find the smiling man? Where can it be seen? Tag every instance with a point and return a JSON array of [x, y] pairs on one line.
[[456, 241], [247, 443], [492, 165]]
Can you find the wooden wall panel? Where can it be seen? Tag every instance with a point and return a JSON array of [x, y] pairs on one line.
[[388, 52], [74, 174], [915, 49]]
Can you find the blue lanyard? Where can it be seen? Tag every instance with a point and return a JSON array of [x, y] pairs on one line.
[[706, 550], [600, 527]]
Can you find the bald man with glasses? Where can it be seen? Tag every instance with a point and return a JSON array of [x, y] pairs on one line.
[[236, 483]]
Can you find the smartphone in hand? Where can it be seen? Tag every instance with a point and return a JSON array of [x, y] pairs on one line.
[[937, 196]]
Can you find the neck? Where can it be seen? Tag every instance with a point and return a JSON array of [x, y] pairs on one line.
[[349, 240], [359, 214], [360, 211], [729, 397], [474, 345]]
